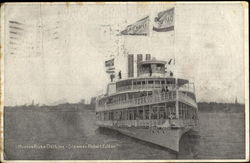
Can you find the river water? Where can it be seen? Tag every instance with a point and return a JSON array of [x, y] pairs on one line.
[[72, 135]]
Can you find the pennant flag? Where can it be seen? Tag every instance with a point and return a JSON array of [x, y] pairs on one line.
[[141, 27], [170, 61], [164, 22]]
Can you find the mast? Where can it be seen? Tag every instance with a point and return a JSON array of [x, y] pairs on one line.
[[176, 79]]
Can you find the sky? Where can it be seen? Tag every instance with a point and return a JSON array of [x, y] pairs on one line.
[[59, 55]]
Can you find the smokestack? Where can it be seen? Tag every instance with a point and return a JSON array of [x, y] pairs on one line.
[[139, 59], [130, 65], [148, 57]]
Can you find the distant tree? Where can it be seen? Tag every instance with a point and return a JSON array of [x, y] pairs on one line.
[[92, 101], [82, 101]]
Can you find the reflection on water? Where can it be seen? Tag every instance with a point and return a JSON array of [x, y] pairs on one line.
[[188, 145]]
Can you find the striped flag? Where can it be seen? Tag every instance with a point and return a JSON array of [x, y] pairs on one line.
[[109, 63]]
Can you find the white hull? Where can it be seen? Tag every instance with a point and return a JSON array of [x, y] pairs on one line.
[[168, 137]]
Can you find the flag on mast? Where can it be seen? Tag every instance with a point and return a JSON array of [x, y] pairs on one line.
[[171, 61], [164, 21], [109, 64], [140, 27]]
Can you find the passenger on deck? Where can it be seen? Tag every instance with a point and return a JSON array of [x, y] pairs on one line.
[[120, 74], [112, 77], [167, 88], [150, 71], [163, 89]]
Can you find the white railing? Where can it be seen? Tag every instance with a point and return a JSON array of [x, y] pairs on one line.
[[145, 86], [148, 123], [132, 123], [187, 87], [186, 99], [145, 100]]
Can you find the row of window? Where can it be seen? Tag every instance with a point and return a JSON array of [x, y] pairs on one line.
[[133, 95], [123, 97], [149, 112], [154, 69], [143, 82]]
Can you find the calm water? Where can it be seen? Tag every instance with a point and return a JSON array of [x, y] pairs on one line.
[[73, 135]]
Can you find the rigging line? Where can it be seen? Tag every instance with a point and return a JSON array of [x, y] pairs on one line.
[[41, 21], [174, 48]]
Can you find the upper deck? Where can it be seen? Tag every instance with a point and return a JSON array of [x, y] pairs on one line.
[[148, 83], [153, 85], [152, 74], [152, 68]]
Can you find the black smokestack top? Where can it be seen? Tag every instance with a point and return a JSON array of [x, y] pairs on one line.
[[148, 57], [139, 59], [130, 65]]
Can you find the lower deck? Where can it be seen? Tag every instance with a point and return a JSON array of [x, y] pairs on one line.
[[163, 123], [168, 113]]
